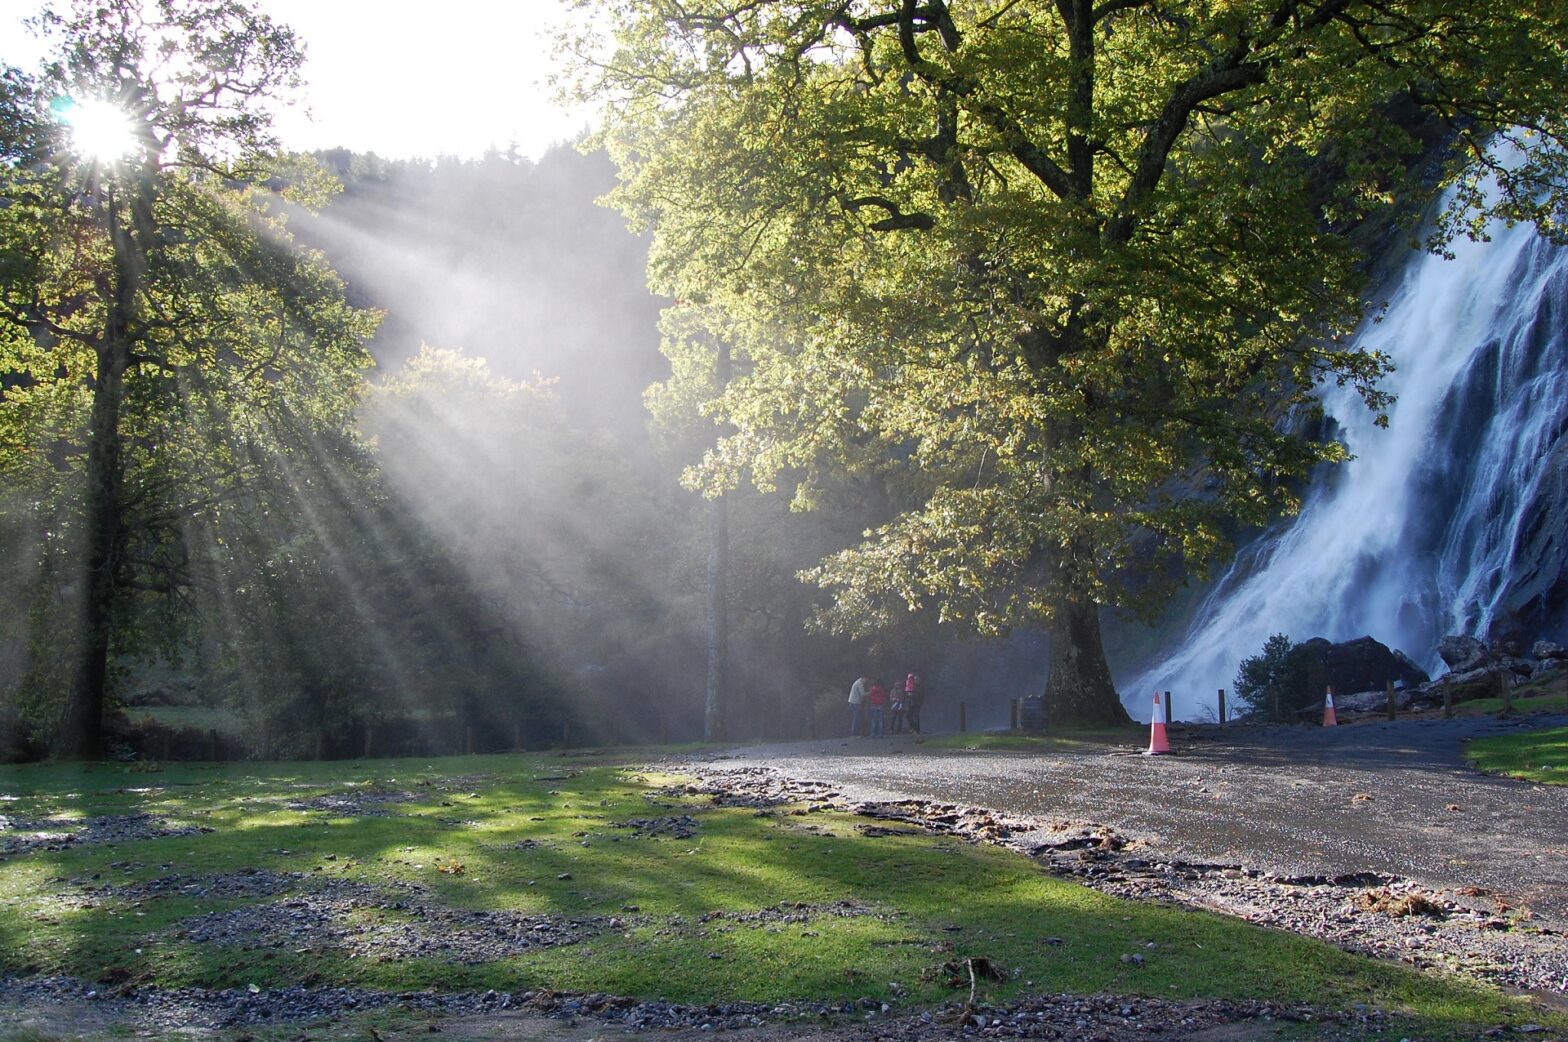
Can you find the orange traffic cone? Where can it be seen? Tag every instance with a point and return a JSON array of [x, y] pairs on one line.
[[1328, 710], [1158, 743]]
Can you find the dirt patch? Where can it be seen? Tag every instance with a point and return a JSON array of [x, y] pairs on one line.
[[367, 804], [245, 885], [18, 836], [363, 922]]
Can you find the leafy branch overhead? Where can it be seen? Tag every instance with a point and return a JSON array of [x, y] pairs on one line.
[[1066, 275]]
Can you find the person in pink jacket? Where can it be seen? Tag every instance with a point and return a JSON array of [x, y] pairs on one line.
[[913, 696], [876, 698]]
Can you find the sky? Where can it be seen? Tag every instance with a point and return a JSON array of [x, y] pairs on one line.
[[405, 78]]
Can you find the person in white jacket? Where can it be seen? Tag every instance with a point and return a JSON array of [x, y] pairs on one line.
[[857, 700]]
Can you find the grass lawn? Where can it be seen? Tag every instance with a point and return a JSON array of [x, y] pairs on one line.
[[1538, 756], [597, 876]]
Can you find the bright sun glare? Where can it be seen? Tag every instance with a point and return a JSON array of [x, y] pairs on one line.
[[101, 131]]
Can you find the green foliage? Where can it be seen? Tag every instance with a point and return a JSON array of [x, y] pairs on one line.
[[1056, 274], [1277, 683]]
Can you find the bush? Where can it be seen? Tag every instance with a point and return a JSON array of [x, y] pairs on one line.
[[1278, 683]]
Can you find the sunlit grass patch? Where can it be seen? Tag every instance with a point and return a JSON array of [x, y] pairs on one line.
[[526, 872], [1537, 756]]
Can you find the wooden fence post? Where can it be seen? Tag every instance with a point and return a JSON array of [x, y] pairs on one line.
[[1170, 717], [1222, 707], [1393, 710]]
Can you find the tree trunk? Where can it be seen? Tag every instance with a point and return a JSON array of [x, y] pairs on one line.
[[715, 716], [81, 727], [81, 732], [716, 707], [1079, 690]]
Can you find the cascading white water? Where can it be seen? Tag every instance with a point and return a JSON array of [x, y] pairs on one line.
[[1446, 522]]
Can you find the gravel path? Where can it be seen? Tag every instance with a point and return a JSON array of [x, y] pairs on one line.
[[1389, 798]]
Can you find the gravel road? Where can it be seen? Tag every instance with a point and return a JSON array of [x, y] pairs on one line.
[[1394, 798]]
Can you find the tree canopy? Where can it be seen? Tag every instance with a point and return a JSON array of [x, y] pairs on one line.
[[1062, 274], [159, 332]]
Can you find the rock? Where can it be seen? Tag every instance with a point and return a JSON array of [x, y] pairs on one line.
[[1546, 651], [1362, 664], [1461, 653]]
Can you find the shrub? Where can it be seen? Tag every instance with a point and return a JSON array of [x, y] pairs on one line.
[[1277, 683]]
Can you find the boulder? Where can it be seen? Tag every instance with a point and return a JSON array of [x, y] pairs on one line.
[[1462, 653], [1373, 701], [1545, 650], [1547, 666], [1363, 664]]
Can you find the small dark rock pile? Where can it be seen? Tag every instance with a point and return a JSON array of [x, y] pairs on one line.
[[683, 826]]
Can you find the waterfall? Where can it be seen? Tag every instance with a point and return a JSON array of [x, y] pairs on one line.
[[1452, 520]]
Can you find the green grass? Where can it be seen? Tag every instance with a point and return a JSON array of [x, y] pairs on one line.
[[1557, 703], [1056, 741], [1544, 694], [1537, 756], [928, 900]]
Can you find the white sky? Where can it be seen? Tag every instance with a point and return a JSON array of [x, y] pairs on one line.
[[404, 77]]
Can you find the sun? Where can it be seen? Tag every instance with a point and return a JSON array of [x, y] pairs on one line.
[[101, 131]]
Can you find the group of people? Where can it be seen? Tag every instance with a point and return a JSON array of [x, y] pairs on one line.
[[870, 703]]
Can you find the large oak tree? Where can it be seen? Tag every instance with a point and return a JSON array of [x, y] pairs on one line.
[[1060, 271]]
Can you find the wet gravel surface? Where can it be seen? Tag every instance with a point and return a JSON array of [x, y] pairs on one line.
[[1390, 798]]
